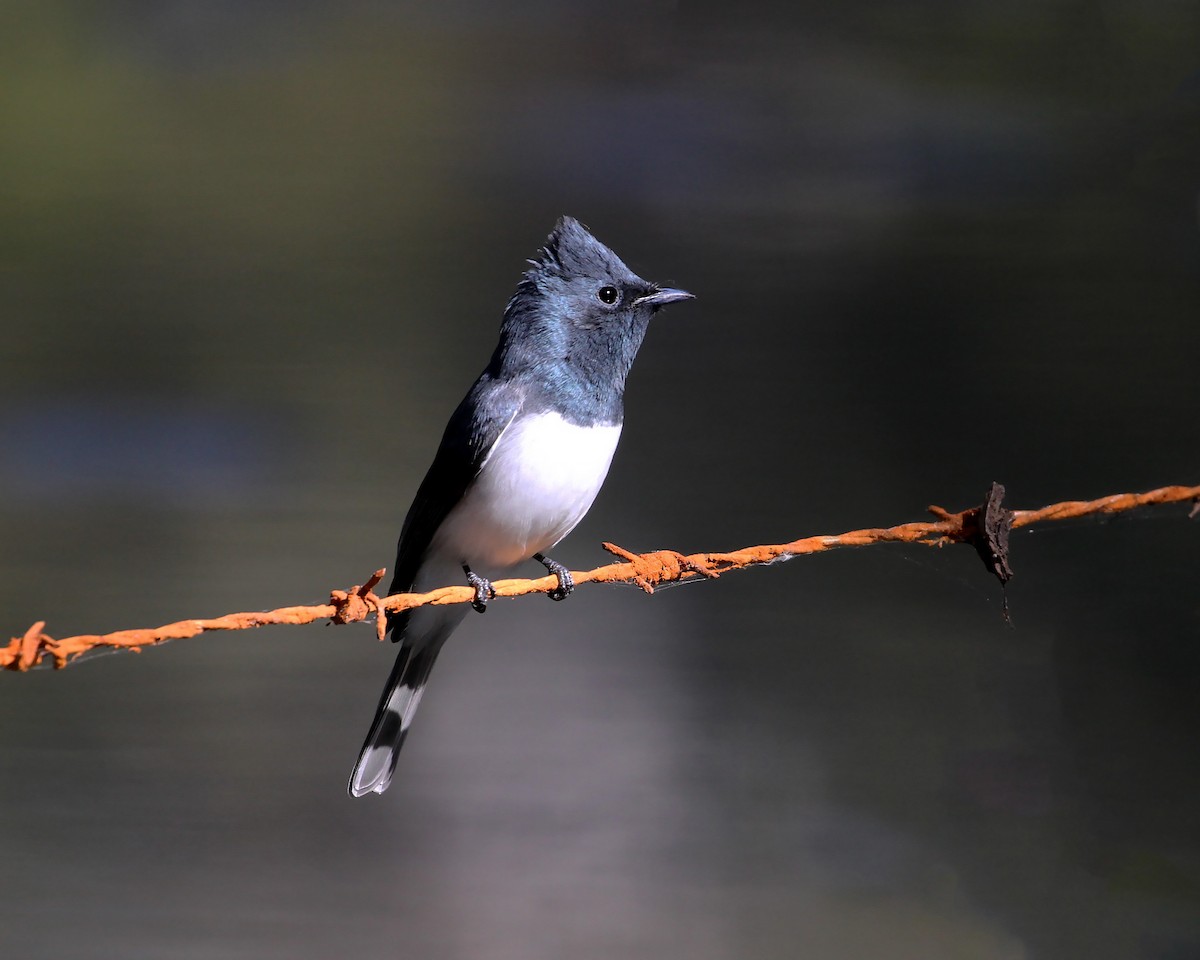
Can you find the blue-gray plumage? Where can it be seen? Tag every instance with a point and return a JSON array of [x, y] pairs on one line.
[[521, 460]]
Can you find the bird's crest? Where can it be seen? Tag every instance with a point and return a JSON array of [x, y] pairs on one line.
[[571, 251]]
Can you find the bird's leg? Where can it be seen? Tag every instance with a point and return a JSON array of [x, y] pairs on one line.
[[566, 584], [483, 589]]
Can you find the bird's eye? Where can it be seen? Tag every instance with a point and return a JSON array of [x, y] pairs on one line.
[[608, 295]]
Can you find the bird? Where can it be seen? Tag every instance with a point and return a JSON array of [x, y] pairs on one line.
[[521, 460]]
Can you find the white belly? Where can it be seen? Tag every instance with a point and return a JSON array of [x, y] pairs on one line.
[[535, 486]]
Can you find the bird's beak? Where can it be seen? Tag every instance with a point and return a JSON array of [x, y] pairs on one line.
[[664, 295]]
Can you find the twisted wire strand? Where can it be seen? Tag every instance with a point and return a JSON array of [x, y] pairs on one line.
[[986, 527]]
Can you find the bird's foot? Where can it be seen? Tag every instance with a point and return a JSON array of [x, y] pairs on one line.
[[566, 583], [484, 591]]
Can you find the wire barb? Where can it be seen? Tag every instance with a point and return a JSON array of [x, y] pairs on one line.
[[986, 527], [358, 602]]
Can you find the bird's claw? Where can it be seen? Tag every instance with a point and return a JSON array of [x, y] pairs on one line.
[[484, 591], [566, 583]]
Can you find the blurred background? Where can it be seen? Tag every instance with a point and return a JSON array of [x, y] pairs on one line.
[[251, 256]]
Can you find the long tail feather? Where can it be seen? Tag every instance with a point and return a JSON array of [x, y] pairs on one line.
[[399, 702]]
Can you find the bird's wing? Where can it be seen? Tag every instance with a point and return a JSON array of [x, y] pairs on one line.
[[473, 429]]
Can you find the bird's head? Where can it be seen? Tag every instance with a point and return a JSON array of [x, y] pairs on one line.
[[590, 284], [578, 301]]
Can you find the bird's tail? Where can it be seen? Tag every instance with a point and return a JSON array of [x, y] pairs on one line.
[[373, 772]]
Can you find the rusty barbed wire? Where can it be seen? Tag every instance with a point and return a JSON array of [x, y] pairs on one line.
[[986, 527]]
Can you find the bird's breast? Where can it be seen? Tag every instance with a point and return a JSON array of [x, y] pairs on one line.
[[536, 484]]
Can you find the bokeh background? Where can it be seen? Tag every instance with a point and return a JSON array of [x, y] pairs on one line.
[[252, 254]]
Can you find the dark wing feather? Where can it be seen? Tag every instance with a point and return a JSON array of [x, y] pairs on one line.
[[469, 437]]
